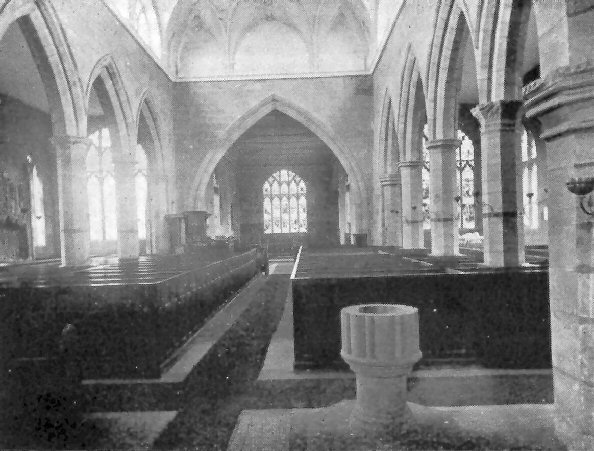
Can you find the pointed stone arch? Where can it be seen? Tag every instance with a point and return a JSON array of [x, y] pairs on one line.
[[54, 58], [388, 151], [196, 198], [501, 48], [158, 180], [444, 70], [409, 110], [107, 70]]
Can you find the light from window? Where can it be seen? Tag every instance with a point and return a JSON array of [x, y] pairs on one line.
[[465, 182], [285, 204], [425, 177], [529, 180], [140, 180], [37, 209], [101, 188]]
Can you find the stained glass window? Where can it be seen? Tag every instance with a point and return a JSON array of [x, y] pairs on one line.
[[285, 204], [101, 188], [529, 180]]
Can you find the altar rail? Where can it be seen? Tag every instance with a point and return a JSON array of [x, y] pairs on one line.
[[129, 318]]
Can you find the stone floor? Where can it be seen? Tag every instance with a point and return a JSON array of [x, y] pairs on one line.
[[484, 427]]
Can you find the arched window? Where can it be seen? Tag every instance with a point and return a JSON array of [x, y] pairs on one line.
[[101, 188], [37, 208], [465, 182], [425, 179], [140, 180], [285, 204], [529, 180]]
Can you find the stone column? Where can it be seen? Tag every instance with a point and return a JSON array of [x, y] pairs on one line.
[[73, 201], [443, 207], [412, 204], [392, 209], [563, 104], [128, 243], [503, 224]]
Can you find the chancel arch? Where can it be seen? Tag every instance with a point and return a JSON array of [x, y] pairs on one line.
[[197, 198], [278, 145]]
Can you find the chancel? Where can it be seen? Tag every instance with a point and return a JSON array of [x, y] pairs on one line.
[[296, 224]]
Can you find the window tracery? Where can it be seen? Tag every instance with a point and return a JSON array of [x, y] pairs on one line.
[[101, 187], [285, 203], [529, 180], [141, 183]]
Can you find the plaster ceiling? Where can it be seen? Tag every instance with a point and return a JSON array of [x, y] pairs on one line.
[[210, 37], [19, 76]]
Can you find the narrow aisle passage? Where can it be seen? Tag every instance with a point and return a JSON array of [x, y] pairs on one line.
[[218, 389]]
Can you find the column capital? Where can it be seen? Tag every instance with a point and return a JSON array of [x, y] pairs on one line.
[[411, 164], [498, 113], [562, 100], [65, 142], [390, 179], [443, 144]]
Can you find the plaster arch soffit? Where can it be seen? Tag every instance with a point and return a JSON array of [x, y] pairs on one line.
[[443, 24], [66, 79], [107, 69], [410, 78], [441, 67], [11, 10], [146, 108], [387, 123]]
